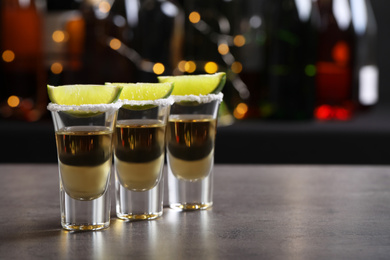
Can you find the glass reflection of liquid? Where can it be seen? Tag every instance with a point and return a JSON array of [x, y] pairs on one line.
[[191, 234], [84, 245], [143, 239]]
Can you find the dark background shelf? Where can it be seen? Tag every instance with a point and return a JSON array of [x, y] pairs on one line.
[[363, 140]]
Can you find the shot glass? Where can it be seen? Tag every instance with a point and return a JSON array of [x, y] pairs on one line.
[[84, 148], [139, 153], [191, 132]]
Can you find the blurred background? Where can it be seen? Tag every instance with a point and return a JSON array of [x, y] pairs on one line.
[[307, 80]]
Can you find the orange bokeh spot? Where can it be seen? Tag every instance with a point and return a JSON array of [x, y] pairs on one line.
[[104, 7], [158, 68], [58, 36], [8, 56], [223, 49], [211, 67], [190, 66], [115, 44], [182, 65], [236, 67], [239, 40], [13, 101], [56, 68], [194, 17], [240, 111]]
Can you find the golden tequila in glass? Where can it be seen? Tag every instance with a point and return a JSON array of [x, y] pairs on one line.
[[84, 154], [139, 153], [190, 143], [84, 136]]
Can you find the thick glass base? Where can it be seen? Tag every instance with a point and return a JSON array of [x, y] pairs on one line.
[[191, 206], [136, 217], [190, 195], [84, 227], [86, 215], [139, 205]]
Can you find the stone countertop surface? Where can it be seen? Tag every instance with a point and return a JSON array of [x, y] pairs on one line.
[[259, 212]]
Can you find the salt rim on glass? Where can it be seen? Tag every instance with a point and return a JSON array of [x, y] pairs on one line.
[[157, 102], [199, 98], [85, 108], [107, 107]]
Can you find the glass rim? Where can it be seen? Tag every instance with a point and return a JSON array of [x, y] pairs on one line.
[[85, 108], [157, 102], [199, 98]]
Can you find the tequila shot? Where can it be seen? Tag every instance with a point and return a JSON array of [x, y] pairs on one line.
[[84, 147], [139, 153], [190, 142]]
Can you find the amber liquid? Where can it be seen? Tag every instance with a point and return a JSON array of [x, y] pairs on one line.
[[84, 155], [190, 142], [139, 153]]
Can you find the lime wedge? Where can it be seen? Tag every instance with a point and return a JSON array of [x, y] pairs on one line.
[[144, 91], [83, 94], [202, 84]]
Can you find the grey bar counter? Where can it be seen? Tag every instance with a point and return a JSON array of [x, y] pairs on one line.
[[259, 212]]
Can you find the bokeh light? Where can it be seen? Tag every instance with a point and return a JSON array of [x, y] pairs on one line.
[[327, 112], [115, 44], [341, 53], [341, 113], [223, 49], [58, 36], [239, 40], [13, 101], [56, 68], [211, 67], [190, 66], [236, 67], [158, 68], [194, 17], [182, 65], [323, 112], [104, 7], [310, 70], [8, 56], [33, 115], [26, 104], [240, 111]]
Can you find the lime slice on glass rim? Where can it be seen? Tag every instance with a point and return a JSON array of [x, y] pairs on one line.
[[75, 95], [79, 95], [145, 93], [202, 84]]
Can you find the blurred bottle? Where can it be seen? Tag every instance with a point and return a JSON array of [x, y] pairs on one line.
[[101, 61], [159, 37], [64, 41], [293, 41], [23, 92], [209, 28], [230, 36], [206, 24], [335, 65], [151, 34], [250, 60], [366, 72]]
